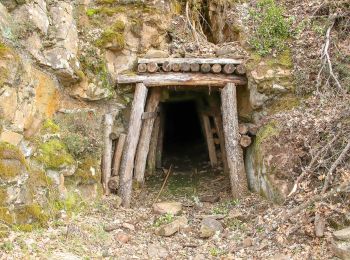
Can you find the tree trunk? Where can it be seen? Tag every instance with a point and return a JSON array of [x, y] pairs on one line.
[[127, 163], [107, 152], [145, 137], [118, 154], [234, 152]]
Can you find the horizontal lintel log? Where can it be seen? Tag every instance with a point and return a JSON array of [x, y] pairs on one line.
[[182, 79], [192, 60]]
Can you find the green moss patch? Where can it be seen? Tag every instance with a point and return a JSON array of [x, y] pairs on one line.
[[113, 35], [31, 214], [267, 131], [54, 155], [88, 171], [12, 161], [50, 126], [5, 215]]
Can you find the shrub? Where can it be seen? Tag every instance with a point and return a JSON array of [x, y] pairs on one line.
[[271, 29]]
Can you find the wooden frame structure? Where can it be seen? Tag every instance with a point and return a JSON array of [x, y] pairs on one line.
[[136, 148]]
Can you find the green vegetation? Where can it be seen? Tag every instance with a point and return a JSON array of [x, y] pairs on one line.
[[8, 170], [224, 207], [53, 154], [50, 126], [3, 49], [214, 251], [113, 35], [271, 29], [235, 224], [164, 219], [267, 131]]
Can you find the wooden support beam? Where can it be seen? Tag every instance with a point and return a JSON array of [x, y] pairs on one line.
[[118, 154], [152, 154], [192, 60], [132, 138], [182, 79], [234, 151], [210, 140], [160, 141], [107, 152], [145, 137], [220, 133]]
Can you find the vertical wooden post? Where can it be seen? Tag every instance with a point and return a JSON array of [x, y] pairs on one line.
[[152, 154], [210, 140], [159, 152], [132, 138], [145, 137], [118, 154], [107, 152], [234, 152], [219, 129]]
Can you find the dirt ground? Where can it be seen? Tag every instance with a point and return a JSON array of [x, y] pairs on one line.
[[246, 235]]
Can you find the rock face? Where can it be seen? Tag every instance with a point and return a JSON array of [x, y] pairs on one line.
[[209, 227], [168, 207]]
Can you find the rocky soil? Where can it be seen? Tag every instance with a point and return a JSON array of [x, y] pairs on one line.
[[205, 224]]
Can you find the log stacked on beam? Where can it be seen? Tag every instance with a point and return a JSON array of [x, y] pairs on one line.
[[225, 66], [247, 132]]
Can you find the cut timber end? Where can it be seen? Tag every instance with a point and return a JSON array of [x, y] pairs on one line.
[[152, 67], [194, 67], [216, 68], [166, 66], [193, 60], [185, 67], [175, 67], [205, 68], [229, 68], [240, 69], [182, 79]]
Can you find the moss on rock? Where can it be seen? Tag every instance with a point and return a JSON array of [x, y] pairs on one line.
[[114, 36], [12, 161], [32, 213], [54, 155], [6, 216], [49, 126]]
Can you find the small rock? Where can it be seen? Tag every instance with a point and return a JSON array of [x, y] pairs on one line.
[[167, 207], [280, 257], [128, 226], [247, 242], [210, 198], [156, 251], [64, 256], [110, 227], [122, 237], [343, 234], [341, 250], [173, 227], [209, 227]]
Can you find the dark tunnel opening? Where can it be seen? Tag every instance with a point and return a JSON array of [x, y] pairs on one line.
[[184, 143]]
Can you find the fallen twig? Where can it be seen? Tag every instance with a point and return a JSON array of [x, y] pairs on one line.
[[312, 163], [334, 165], [164, 182]]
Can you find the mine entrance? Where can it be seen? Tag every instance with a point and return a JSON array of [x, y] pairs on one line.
[[184, 142]]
